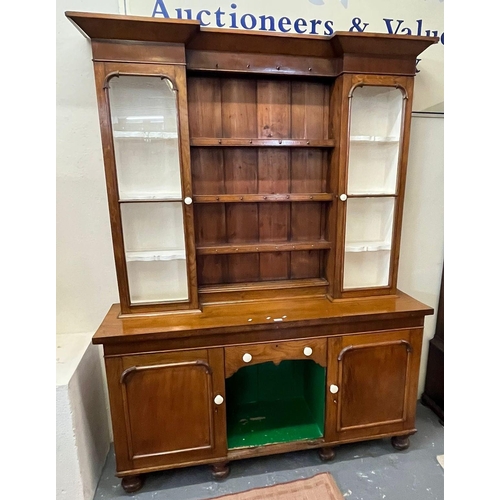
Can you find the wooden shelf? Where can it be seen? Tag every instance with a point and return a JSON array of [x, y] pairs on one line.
[[152, 255], [254, 142], [261, 198], [142, 134], [263, 247], [367, 246], [141, 197], [374, 139], [371, 195]]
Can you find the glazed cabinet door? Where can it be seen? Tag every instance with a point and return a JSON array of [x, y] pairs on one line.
[[374, 150], [167, 409], [372, 384], [145, 138]]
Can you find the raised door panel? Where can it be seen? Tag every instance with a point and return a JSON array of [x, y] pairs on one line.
[[372, 383], [164, 408]]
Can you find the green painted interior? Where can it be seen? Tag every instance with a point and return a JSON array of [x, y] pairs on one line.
[[268, 404]]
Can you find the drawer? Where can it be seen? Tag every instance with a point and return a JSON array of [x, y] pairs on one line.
[[251, 354]]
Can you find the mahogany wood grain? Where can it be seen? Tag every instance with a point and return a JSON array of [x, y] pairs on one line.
[[274, 449], [339, 106], [152, 390], [263, 290], [138, 52], [221, 40], [275, 352], [196, 38], [187, 188], [100, 76], [266, 450], [137, 28], [365, 404], [255, 336], [219, 318], [228, 62]]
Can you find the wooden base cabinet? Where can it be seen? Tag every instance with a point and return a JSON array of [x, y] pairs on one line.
[[255, 187], [212, 395]]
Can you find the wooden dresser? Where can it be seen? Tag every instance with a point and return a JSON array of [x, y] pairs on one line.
[[256, 186]]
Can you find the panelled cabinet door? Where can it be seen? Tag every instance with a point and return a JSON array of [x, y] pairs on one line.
[[145, 139], [167, 408], [372, 384], [372, 182]]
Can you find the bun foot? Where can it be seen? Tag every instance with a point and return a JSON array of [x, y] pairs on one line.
[[400, 443], [326, 454], [220, 470], [132, 483]]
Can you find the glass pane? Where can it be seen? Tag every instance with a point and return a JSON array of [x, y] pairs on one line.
[[368, 242], [375, 128], [155, 251], [145, 136]]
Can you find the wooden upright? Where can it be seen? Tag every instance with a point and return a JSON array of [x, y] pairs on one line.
[[256, 185]]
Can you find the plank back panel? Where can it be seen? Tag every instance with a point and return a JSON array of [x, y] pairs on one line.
[[273, 108], [204, 107], [241, 170], [239, 107], [309, 110], [207, 170], [235, 107]]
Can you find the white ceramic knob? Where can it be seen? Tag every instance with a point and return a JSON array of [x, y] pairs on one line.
[[307, 351], [218, 400], [343, 197], [334, 389], [247, 357], [188, 200]]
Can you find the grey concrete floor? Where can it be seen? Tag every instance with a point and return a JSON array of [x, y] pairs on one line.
[[370, 470]]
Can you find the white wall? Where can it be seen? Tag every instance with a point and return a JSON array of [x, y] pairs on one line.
[[86, 279], [422, 238]]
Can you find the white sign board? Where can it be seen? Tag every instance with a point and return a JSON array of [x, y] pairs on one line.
[[323, 17]]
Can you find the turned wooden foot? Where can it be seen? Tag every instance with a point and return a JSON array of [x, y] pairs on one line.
[[220, 470], [400, 442], [132, 483], [326, 454]]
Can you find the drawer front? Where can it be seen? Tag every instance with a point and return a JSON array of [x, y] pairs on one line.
[[251, 354]]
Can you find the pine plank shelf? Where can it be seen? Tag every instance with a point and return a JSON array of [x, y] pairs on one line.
[[255, 142], [264, 247], [261, 198]]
